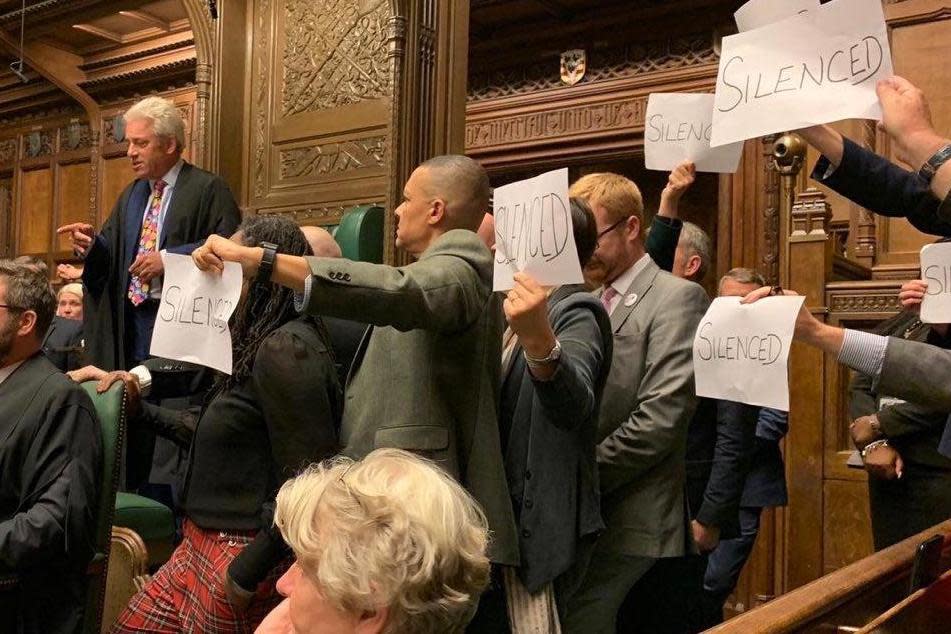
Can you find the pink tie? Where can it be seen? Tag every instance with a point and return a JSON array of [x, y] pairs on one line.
[[138, 288], [607, 298]]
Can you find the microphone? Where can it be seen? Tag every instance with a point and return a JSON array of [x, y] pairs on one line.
[[213, 9]]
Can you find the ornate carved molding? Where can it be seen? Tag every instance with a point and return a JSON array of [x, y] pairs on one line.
[[8, 151], [330, 158], [335, 54], [614, 115], [865, 303], [37, 143], [319, 215], [627, 61], [811, 213], [75, 136], [262, 37], [771, 219]]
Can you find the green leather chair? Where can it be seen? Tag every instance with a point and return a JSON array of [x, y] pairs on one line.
[[360, 234], [111, 409], [153, 521]]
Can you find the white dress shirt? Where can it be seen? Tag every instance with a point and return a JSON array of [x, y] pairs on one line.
[[624, 281]]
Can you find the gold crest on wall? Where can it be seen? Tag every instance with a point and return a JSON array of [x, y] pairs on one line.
[[573, 66]]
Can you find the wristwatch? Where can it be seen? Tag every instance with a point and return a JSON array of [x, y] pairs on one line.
[[939, 158], [267, 261], [553, 356]]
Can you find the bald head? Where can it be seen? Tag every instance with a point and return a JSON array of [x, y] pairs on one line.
[[321, 242], [464, 186]]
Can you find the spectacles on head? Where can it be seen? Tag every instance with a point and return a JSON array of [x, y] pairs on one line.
[[601, 234]]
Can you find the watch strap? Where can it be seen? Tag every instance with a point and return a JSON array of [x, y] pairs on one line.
[[933, 164], [267, 261]]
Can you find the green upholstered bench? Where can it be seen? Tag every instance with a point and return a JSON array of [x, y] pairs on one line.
[[153, 521]]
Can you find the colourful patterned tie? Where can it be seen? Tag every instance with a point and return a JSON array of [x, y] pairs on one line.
[[138, 288]]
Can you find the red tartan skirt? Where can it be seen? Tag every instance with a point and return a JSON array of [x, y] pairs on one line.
[[186, 594]]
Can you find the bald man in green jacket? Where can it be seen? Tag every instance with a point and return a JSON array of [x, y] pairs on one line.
[[426, 375]]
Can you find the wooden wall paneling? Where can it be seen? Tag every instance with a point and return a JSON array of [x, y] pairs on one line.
[[116, 174], [921, 43], [72, 199], [34, 210], [320, 108]]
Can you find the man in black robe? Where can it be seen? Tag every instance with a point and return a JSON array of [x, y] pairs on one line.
[[50, 468], [172, 205]]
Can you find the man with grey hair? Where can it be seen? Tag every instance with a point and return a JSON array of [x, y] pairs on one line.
[[426, 376], [172, 205], [50, 467], [694, 253]]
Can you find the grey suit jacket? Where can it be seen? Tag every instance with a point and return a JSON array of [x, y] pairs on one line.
[[426, 376], [647, 405]]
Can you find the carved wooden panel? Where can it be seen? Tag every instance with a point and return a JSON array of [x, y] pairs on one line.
[[334, 54], [72, 198], [321, 90], [35, 211]]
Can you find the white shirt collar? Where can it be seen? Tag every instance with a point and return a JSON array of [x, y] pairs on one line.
[[170, 176], [6, 371], [624, 281]]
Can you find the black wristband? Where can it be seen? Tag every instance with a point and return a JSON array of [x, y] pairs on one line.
[[932, 165], [267, 262]]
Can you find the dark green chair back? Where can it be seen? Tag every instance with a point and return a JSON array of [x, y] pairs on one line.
[[360, 234], [111, 409]]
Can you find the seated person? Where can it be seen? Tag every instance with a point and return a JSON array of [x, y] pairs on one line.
[[390, 543], [548, 422], [276, 413], [50, 467], [63, 343]]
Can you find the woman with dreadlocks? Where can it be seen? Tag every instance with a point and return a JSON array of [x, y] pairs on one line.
[[275, 414]]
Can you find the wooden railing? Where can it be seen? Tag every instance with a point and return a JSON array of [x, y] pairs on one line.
[[870, 595]]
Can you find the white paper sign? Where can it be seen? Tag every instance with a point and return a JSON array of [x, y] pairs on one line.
[[814, 68], [677, 128], [192, 320], [740, 350], [936, 271], [533, 232], [757, 13]]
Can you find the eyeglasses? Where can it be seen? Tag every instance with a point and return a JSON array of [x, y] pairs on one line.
[[600, 235], [10, 307]]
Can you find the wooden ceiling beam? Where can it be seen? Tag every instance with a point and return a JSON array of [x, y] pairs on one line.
[[105, 34], [59, 67], [147, 18], [45, 22]]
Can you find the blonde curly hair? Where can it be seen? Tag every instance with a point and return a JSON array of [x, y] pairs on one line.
[[392, 530]]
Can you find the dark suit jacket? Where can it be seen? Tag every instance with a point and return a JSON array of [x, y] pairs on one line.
[[883, 188], [719, 445], [648, 402], [345, 337], [426, 376], [766, 479], [201, 205], [63, 344], [50, 474], [662, 239], [549, 450]]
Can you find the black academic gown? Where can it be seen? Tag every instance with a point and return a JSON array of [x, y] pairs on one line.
[[63, 344], [50, 473], [201, 205]]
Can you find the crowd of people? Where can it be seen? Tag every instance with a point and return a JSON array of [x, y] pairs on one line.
[[399, 449]]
